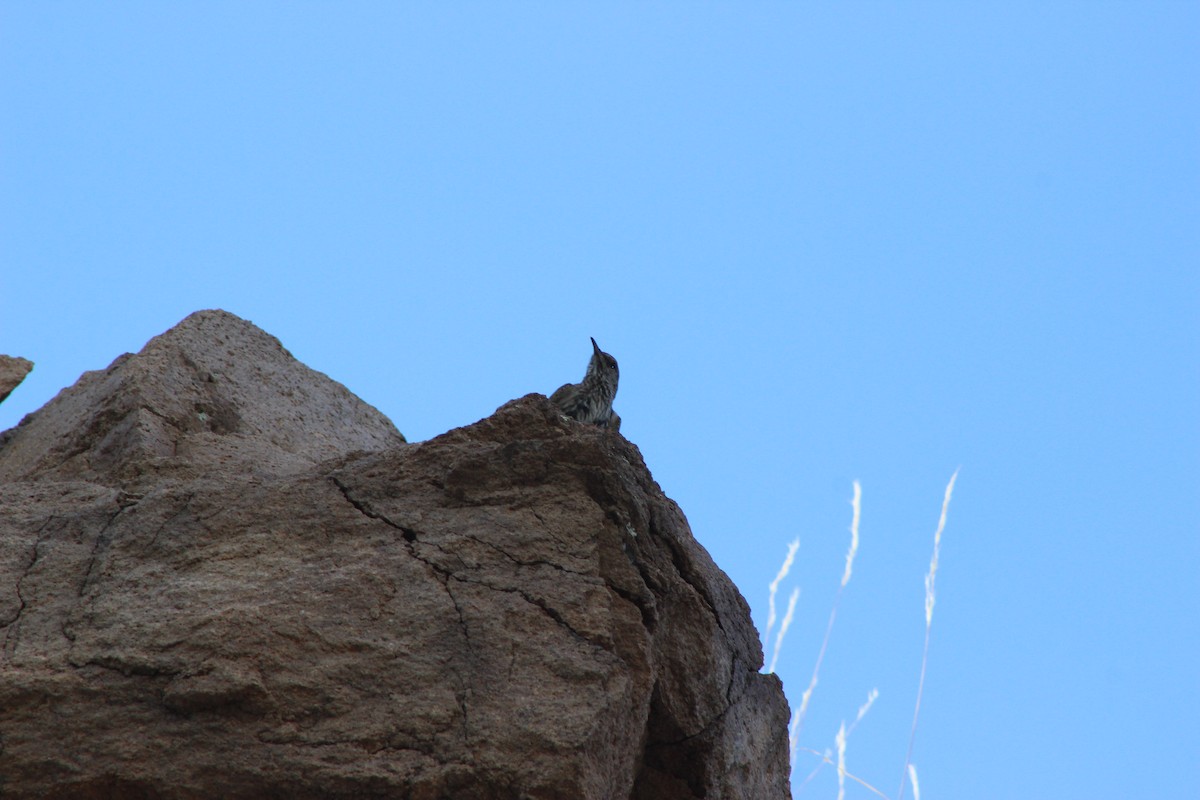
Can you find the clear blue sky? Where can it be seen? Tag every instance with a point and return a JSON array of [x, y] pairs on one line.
[[826, 242]]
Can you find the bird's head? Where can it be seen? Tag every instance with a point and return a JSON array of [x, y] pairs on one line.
[[603, 366]]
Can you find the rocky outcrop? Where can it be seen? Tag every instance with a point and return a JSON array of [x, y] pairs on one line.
[[12, 371], [222, 575], [214, 395]]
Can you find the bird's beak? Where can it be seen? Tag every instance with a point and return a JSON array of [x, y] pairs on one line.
[[595, 346]]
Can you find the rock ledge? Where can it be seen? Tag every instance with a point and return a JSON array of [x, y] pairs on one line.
[[283, 599]]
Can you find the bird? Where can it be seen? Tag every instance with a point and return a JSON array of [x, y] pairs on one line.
[[590, 401]]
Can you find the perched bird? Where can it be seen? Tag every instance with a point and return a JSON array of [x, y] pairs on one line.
[[591, 401]]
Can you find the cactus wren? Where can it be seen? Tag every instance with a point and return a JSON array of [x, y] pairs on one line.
[[591, 401]]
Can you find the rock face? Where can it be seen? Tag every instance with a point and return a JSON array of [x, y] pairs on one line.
[[213, 395], [12, 371], [223, 575]]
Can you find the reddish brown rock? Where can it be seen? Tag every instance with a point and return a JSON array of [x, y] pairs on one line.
[[287, 605], [12, 371]]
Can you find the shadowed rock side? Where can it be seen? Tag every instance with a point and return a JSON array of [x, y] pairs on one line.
[[510, 610]]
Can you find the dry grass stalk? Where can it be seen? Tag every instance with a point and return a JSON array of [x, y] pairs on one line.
[[840, 741], [930, 599]]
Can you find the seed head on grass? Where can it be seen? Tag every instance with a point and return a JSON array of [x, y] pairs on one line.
[[857, 504], [931, 577], [793, 546], [783, 627], [863, 709]]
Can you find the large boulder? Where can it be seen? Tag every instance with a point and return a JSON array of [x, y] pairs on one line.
[[214, 395], [223, 575]]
